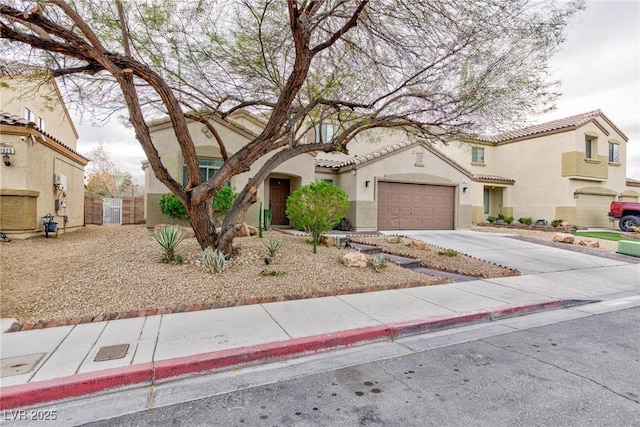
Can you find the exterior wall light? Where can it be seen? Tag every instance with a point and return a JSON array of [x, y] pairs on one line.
[[6, 159], [575, 194], [366, 183]]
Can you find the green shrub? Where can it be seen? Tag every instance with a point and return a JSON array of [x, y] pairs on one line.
[[316, 207], [556, 222], [223, 200], [273, 246], [508, 219], [491, 219], [169, 238], [448, 252], [526, 221], [213, 260], [171, 206]]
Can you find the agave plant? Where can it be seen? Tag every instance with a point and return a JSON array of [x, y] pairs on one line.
[[213, 260], [273, 246], [169, 238]]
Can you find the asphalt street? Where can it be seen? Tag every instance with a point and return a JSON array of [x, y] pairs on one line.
[[580, 372]]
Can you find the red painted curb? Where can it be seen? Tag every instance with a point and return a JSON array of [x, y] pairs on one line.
[[44, 391], [526, 308], [225, 358]]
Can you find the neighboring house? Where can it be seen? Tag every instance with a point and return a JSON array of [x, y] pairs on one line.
[[41, 172], [569, 169], [548, 171]]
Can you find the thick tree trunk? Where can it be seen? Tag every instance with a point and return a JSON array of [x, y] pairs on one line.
[[203, 226]]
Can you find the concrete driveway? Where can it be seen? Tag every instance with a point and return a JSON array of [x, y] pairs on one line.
[[529, 258]]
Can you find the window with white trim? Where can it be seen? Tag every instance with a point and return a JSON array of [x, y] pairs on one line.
[[477, 155], [614, 153], [208, 168], [29, 115], [590, 147], [41, 123], [325, 132]]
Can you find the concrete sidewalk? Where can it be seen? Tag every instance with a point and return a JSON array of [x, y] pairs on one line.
[[60, 362]]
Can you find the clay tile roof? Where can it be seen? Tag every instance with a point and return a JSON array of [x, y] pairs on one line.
[[565, 123], [8, 119], [13, 120], [338, 160], [13, 68], [483, 177], [634, 182]]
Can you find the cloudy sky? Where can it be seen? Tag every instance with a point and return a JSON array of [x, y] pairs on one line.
[[599, 66]]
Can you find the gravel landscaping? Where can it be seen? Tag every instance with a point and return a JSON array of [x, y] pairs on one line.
[[104, 272]]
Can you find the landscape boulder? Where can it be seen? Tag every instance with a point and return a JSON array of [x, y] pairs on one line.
[[590, 243], [328, 241], [564, 238], [417, 244], [355, 259]]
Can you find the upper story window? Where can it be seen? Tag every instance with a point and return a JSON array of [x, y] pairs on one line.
[[208, 168], [590, 147], [477, 155], [614, 153], [325, 132], [41, 123], [29, 115]]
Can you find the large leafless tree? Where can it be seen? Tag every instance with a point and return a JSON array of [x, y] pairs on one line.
[[434, 68]]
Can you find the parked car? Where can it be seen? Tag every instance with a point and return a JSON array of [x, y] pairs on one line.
[[628, 214]]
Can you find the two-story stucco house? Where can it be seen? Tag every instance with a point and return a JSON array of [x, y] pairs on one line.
[[41, 172], [567, 169]]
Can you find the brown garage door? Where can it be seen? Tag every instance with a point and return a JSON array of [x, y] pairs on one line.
[[415, 206]]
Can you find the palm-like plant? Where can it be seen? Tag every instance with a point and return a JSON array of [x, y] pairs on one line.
[[169, 238]]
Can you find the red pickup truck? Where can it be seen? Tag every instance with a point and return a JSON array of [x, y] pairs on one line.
[[627, 212]]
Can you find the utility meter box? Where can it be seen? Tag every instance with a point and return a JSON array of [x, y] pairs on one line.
[[60, 181]]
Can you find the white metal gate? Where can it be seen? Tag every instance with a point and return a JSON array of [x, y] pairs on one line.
[[112, 211]]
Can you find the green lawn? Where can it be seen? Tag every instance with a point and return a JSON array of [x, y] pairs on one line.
[[606, 235]]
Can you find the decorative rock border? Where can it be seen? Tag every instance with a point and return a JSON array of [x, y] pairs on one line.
[[208, 305]]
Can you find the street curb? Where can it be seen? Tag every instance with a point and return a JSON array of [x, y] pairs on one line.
[[77, 385], [17, 396]]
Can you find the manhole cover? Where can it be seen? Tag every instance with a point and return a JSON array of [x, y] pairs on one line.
[[111, 352], [19, 364]]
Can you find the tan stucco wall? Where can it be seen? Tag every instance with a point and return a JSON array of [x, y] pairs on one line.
[[18, 210], [32, 169], [575, 165], [43, 99]]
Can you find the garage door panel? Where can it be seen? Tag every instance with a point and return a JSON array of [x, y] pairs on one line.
[[415, 206], [591, 210]]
